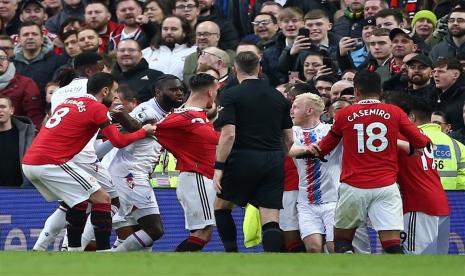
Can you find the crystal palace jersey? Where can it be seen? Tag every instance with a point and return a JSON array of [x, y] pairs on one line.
[[190, 137], [140, 157], [318, 181], [369, 131]]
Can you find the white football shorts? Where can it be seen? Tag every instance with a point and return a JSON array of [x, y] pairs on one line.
[[382, 205], [196, 194], [288, 220], [316, 219], [425, 234], [67, 182]]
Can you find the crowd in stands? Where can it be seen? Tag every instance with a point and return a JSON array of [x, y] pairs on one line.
[[417, 47]]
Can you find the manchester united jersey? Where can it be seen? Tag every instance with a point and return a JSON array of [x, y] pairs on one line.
[[369, 130], [420, 184], [190, 137], [66, 133]]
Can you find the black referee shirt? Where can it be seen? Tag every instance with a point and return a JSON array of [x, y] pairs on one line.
[[259, 112]]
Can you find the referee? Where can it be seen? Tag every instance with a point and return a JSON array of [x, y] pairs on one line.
[[255, 124]]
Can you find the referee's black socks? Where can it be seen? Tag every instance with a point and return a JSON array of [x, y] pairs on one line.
[[272, 237], [226, 229], [392, 247]]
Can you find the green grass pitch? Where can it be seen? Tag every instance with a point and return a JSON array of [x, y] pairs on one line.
[[83, 264]]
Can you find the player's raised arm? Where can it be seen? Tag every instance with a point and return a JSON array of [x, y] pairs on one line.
[[416, 139]]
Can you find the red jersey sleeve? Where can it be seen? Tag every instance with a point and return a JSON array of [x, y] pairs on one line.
[[119, 139], [100, 115], [332, 139]]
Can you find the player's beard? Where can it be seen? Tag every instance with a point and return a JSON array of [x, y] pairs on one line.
[[170, 102], [107, 102]]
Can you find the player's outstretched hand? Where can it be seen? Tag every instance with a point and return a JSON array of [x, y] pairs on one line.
[[149, 129], [417, 152], [217, 180], [314, 149]]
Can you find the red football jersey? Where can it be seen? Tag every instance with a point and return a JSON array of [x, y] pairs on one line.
[[369, 130], [420, 184], [291, 177], [190, 137], [70, 128]]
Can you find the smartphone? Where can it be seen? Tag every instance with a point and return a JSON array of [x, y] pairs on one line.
[[304, 32], [327, 62], [293, 76], [359, 42]]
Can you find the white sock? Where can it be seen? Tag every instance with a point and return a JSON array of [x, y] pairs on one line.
[[135, 242], [52, 227], [88, 233], [75, 249], [64, 244], [117, 243]]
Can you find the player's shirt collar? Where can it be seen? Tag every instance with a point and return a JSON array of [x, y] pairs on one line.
[[187, 108], [369, 101], [89, 96]]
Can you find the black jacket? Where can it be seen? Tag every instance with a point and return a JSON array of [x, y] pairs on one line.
[[458, 135], [350, 27], [446, 48], [270, 61], [229, 38], [428, 93], [27, 131], [42, 68], [140, 79], [451, 102]]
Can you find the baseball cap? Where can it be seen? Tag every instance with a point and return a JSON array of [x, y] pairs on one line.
[[27, 2], [369, 21], [423, 59], [397, 31]]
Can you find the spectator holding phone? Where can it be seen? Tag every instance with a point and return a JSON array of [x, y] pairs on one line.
[[353, 52], [319, 38]]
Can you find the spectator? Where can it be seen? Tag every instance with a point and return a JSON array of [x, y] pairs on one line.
[[52, 7], [97, 16], [265, 27], [453, 43], [228, 34], [440, 118], [131, 69], [304, 5], [187, 9], [348, 75], [7, 45], [156, 11], [34, 53], [89, 40], [72, 49], [270, 7], [127, 97], [10, 20], [71, 8], [323, 84], [168, 53], [312, 63], [337, 88], [319, 40], [216, 59], [207, 35], [22, 91], [16, 134], [353, 14], [134, 25], [389, 19], [450, 84], [290, 20], [380, 47], [34, 10], [419, 70], [423, 25], [71, 23], [459, 134], [353, 53], [372, 7], [402, 45]]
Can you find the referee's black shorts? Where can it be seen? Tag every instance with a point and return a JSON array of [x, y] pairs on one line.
[[255, 177]]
